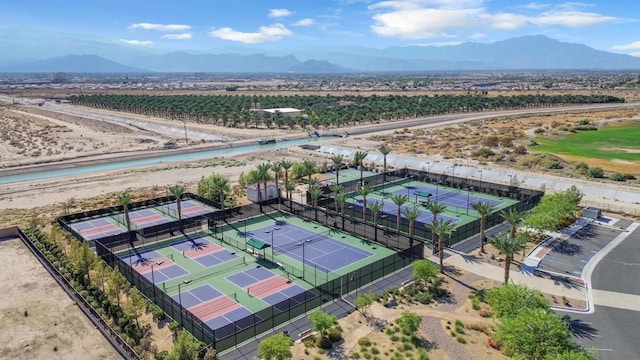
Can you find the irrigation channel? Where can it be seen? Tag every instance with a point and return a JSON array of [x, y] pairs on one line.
[[57, 170]]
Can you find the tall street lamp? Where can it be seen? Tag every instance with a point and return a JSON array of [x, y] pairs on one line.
[[480, 171]]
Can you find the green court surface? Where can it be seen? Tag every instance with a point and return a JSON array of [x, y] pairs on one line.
[[234, 242], [458, 202], [348, 175]]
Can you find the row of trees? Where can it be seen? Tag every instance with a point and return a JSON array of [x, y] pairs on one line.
[[326, 110]]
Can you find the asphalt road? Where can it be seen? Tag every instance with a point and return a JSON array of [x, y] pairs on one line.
[[613, 332]]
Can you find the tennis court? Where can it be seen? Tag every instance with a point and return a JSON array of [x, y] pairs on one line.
[[203, 251], [212, 307], [391, 211], [268, 286], [308, 246], [144, 218], [189, 209], [457, 198], [347, 175], [153, 265], [97, 228]]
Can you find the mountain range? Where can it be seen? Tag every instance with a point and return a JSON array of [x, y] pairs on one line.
[[33, 51]]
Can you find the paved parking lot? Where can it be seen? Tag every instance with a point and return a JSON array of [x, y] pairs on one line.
[[571, 255]]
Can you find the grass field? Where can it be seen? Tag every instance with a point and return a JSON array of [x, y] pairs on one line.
[[616, 144]]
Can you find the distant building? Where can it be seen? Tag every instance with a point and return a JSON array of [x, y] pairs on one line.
[[271, 192], [291, 112], [59, 77]]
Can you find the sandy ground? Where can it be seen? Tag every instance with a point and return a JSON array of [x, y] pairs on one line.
[[54, 327]]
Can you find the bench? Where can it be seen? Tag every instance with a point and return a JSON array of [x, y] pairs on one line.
[[305, 334]]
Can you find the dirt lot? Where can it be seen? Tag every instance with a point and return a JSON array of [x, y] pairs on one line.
[[37, 318]]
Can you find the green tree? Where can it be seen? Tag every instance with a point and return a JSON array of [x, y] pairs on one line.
[[411, 214], [358, 161], [409, 323], [177, 191], [276, 347], [483, 209], [384, 150], [335, 189], [117, 285], [277, 171], [136, 305], [310, 167], [85, 258], [337, 164], [289, 186], [508, 246], [364, 302], [442, 229], [375, 207], [341, 200], [424, 271], [364, 191], [186, 347], [507, 300], [555, 210], [399, 200], [315, 194], [534, 334], [435, 208], [322, 321], [221, 186]]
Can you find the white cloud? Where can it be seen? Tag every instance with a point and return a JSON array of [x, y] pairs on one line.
[[138, 42], [183, 36], [429, 19], [478, 36], [534, 6], [268, 33], [441, 43], [635, 54], [160, 27], [279, 13], [304, 22], [631, 46], [571, 18]]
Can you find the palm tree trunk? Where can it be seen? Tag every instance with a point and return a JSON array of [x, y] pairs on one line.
[[507, 265], [398, 220], [482, 234], [441, 254]]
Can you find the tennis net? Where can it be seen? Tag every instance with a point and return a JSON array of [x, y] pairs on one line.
[[165, 209], [291, 246], [122, 221]]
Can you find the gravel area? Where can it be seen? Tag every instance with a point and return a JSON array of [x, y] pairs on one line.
[[437, 337]]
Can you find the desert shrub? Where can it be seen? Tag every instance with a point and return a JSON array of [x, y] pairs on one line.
[[324, 342], [552, 164], [581, 168], [491, 141], [595, 172], [461, 340], [364, 341], [506, 141], [483, 152], [585, 128], [584, 122], [617, 176]]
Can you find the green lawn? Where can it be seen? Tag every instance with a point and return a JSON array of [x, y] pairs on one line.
[[613, 142]]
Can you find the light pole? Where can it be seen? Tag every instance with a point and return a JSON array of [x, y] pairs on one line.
[[453, 172], [428, 168], [468, 198], [180, 300], [153, 281], [272, 249], [480, 171]]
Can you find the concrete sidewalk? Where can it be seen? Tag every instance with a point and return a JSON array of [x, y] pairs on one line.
[[572, 288]]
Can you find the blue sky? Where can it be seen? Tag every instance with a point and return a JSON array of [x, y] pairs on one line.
[[611, 25]]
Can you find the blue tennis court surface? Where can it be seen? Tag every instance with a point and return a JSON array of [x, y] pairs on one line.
[[453, 198], [391, 210], [97, 229], [316, 250], [189, 244], [154, 266], [146, 218], [294, 293], [189, 208], [195, 296]]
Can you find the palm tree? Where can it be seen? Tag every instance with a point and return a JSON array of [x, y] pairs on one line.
[[358, 159], [508, 246], [335, 189], [177, 191], [289, 186], [513, 217], [315, 194], [375, 207], [262, 175], [364, 192], [442, 229], [221, 186], [337, 163], [411, 213], [277, 169], [399, 200], [341, 200], [435, 208], [483, 210], [384, 150], [124, 200], [310, 168], [286, 165]]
